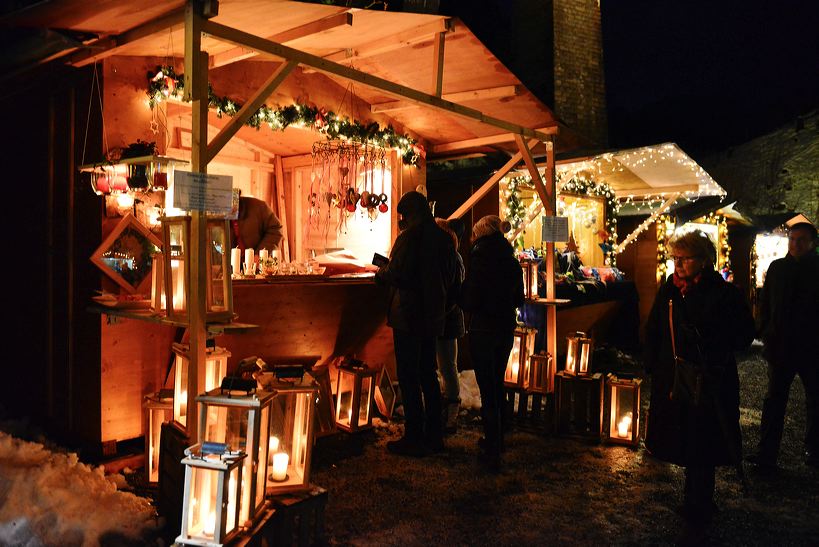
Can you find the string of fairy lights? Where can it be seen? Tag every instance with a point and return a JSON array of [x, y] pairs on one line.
[[164, 83], [667, 228]]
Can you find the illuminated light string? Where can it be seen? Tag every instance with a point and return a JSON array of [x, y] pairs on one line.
[[516, 213], [164, 84], [666, 229]]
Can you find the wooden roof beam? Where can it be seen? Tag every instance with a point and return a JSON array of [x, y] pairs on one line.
[[238, 37], [652, 218], [438, 64], [485, 141], [500, 92], [409, 37], [240, 53], [489, 184], [110, 45], [250, 108]]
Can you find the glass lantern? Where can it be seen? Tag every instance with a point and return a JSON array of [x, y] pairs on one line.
[[354, 397], [517, 365], [158, 284], [292, 417], [540, 374], [175, 238], [216, 360], [530, 277], [241, 420], [176, 232], [325, 414], [578, 354], [624, 410], [210, 508], [158, 410]]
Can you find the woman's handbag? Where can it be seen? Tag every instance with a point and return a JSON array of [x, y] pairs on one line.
[[688, 375]]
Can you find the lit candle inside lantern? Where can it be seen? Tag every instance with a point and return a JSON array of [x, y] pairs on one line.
[[280, 461], [263, 254], [183, 402], [515, 370], [235, 260], [209, 527], [273, 447], [624, 425]]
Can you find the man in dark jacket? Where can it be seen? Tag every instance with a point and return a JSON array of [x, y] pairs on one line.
[[420, 271], [257, 226], [789, 323]]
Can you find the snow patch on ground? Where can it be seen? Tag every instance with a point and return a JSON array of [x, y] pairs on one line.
[[470, 394], [49, 498]]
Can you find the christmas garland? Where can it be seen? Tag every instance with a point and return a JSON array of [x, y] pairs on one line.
[[165, 83], [516, 212]]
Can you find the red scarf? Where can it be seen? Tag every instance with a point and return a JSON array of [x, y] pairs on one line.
[[685, 284]]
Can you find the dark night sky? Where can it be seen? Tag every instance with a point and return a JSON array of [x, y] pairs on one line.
[[703, 73], [708, 74]]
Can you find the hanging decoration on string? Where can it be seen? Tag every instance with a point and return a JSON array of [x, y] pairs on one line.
[[164, 83]]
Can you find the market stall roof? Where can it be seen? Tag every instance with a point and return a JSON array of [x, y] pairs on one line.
[[649, 174], [403, 48]]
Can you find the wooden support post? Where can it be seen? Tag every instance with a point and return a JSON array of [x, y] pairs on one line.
[[489, 184], [281, 205], [550, 208], [438, 64], [196, 88]]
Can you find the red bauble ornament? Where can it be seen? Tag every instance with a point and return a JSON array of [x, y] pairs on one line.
[[383, 208]]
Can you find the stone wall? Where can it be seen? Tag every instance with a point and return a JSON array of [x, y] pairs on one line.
[[774, 173], [580, 91]]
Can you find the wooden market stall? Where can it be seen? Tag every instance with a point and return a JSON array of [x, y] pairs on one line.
[[423, 81]]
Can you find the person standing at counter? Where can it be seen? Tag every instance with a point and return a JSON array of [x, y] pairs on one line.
[[491, 292], [421, 269], [257, 226]]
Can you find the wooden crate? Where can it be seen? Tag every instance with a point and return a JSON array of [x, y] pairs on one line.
[[579, 405], [289, 519], [530, 411]]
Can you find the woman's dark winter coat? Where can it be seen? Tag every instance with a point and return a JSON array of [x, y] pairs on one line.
[[454, 322], [711, 322], [493, 287]]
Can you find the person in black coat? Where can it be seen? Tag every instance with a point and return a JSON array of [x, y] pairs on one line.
[[711, 321], [447, 344], [420, 272], [491, 292], [789, 324]]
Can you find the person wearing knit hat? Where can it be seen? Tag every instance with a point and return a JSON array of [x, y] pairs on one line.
[[490, 294], [420, 272]]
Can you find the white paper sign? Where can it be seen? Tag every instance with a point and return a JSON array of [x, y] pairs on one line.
[[555, 228], [202, 192]]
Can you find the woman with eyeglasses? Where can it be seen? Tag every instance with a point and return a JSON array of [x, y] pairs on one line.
[[711, 320]]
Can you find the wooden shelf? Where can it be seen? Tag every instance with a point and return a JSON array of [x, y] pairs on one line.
[[214, 329], [549, 301]]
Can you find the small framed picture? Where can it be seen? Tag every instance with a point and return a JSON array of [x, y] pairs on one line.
[[385, 394], [127, 254]]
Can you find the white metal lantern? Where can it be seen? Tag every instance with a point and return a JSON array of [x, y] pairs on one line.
[[522, 347], [241, 420], [176, 234], [540, 374], [530, 277], [354, 397], [216, 360], [290, 450], [578, 354], [210, 507], [158, 409], [624, 409]]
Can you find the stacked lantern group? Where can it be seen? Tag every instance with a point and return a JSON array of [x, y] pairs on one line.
[[176, 234], [525, 369], [579, 393]]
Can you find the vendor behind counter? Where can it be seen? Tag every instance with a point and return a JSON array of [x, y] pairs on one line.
[[257, 226]]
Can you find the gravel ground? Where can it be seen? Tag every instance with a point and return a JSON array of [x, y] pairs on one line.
[[559, 491]]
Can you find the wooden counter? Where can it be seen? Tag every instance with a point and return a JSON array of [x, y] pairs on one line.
[[296, 317]]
